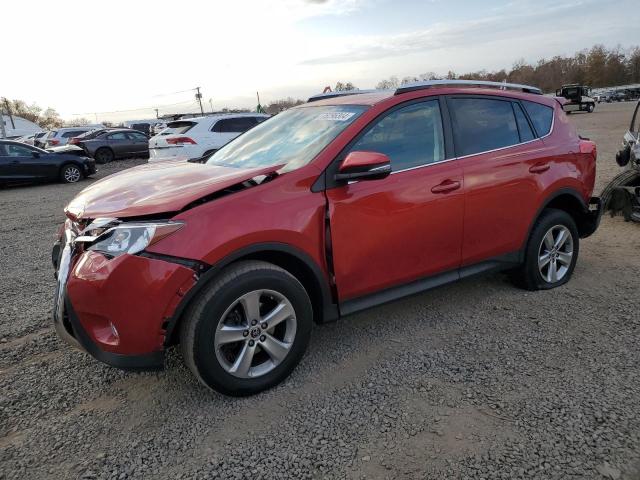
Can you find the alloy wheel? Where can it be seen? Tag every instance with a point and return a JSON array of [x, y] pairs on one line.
[[555, 253], [255, 333], [72, 174]]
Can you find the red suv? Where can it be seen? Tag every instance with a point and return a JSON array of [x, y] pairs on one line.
[[329, 208]]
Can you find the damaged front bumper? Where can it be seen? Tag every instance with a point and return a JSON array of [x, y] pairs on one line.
[[115, 309]]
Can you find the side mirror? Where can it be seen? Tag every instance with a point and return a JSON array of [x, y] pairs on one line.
[[364, 166], [35, 154]]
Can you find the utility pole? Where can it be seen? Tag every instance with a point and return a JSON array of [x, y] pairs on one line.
[[199, 98], [211, 104], [157, 115], [6, 103], [3, 132]]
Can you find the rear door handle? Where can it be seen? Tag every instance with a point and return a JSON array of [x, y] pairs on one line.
[[446, 186], [539, 168]]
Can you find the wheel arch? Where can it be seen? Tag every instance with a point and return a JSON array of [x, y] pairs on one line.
[[570, 201], [103, 147], [287, 257]]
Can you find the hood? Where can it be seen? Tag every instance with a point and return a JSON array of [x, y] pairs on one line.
[[156, 188]]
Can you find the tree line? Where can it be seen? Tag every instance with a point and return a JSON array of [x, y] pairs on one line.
[[596, 67], [47, 118]]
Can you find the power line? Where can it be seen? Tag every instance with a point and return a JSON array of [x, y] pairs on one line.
[[137, 109], [173, 93]]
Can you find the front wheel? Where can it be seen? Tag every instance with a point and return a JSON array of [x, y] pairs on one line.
[[70, 174], [248, 330], [591, 107], [551, 253]]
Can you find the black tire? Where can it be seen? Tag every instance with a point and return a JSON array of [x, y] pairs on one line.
[[622, 179], [200, 326], [70, 173], [591, 107], [529, 274], [104, 155]]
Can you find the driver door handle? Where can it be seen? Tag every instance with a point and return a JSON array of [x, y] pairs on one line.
[[446, 186]]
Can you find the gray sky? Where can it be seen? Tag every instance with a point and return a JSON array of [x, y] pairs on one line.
[[81, 57]]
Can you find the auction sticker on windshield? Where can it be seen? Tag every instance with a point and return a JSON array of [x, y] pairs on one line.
[[336, 116]]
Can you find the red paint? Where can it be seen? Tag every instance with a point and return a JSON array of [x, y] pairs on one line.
[[395, 230], [130, 292], [155, 188], [384, 233], [363, 159]]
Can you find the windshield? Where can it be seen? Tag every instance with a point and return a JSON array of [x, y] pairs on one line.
[[293, 138]]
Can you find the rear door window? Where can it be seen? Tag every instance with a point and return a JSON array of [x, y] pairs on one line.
[[178, 127], [482, 124], [118, 136], [234, 125], [541, 116], [410, 136], [137, 136]]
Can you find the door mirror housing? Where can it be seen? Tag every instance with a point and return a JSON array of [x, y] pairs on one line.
[[364, 166]]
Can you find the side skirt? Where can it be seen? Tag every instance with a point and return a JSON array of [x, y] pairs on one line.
[[496, 264]]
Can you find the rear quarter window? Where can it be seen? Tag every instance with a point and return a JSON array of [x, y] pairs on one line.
[[541, 116]]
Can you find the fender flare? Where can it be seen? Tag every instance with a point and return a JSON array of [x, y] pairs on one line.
[[555, 194], [329, 308]]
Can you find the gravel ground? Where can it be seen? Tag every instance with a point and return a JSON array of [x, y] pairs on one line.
[[473, 380]]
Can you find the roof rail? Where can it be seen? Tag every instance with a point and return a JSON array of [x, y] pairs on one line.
[[342, 93], [410, 87]]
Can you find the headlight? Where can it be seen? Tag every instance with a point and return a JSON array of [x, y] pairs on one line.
[[130, 238]]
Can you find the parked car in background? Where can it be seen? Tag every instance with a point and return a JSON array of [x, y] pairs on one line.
[[326, 209], [59, 137], [109, 144], [145, 126], [622, 194], [200, 136], [20, 163], [31, 139], [157, 128], [578, 98]]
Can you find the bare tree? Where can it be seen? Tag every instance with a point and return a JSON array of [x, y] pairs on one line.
[[390, 83], [344, 87]]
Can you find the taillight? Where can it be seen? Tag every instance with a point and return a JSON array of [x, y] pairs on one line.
[[180, 141], [73, 141], [53, 141]]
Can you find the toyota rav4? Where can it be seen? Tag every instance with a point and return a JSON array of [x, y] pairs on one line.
[[329, 208]]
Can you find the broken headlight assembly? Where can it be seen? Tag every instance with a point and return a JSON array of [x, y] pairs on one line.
[[131, 238]]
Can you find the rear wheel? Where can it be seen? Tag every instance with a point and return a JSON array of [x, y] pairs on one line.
[[70, 174], [104, 155], [552, 252], [623, 179], [248, 330]]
